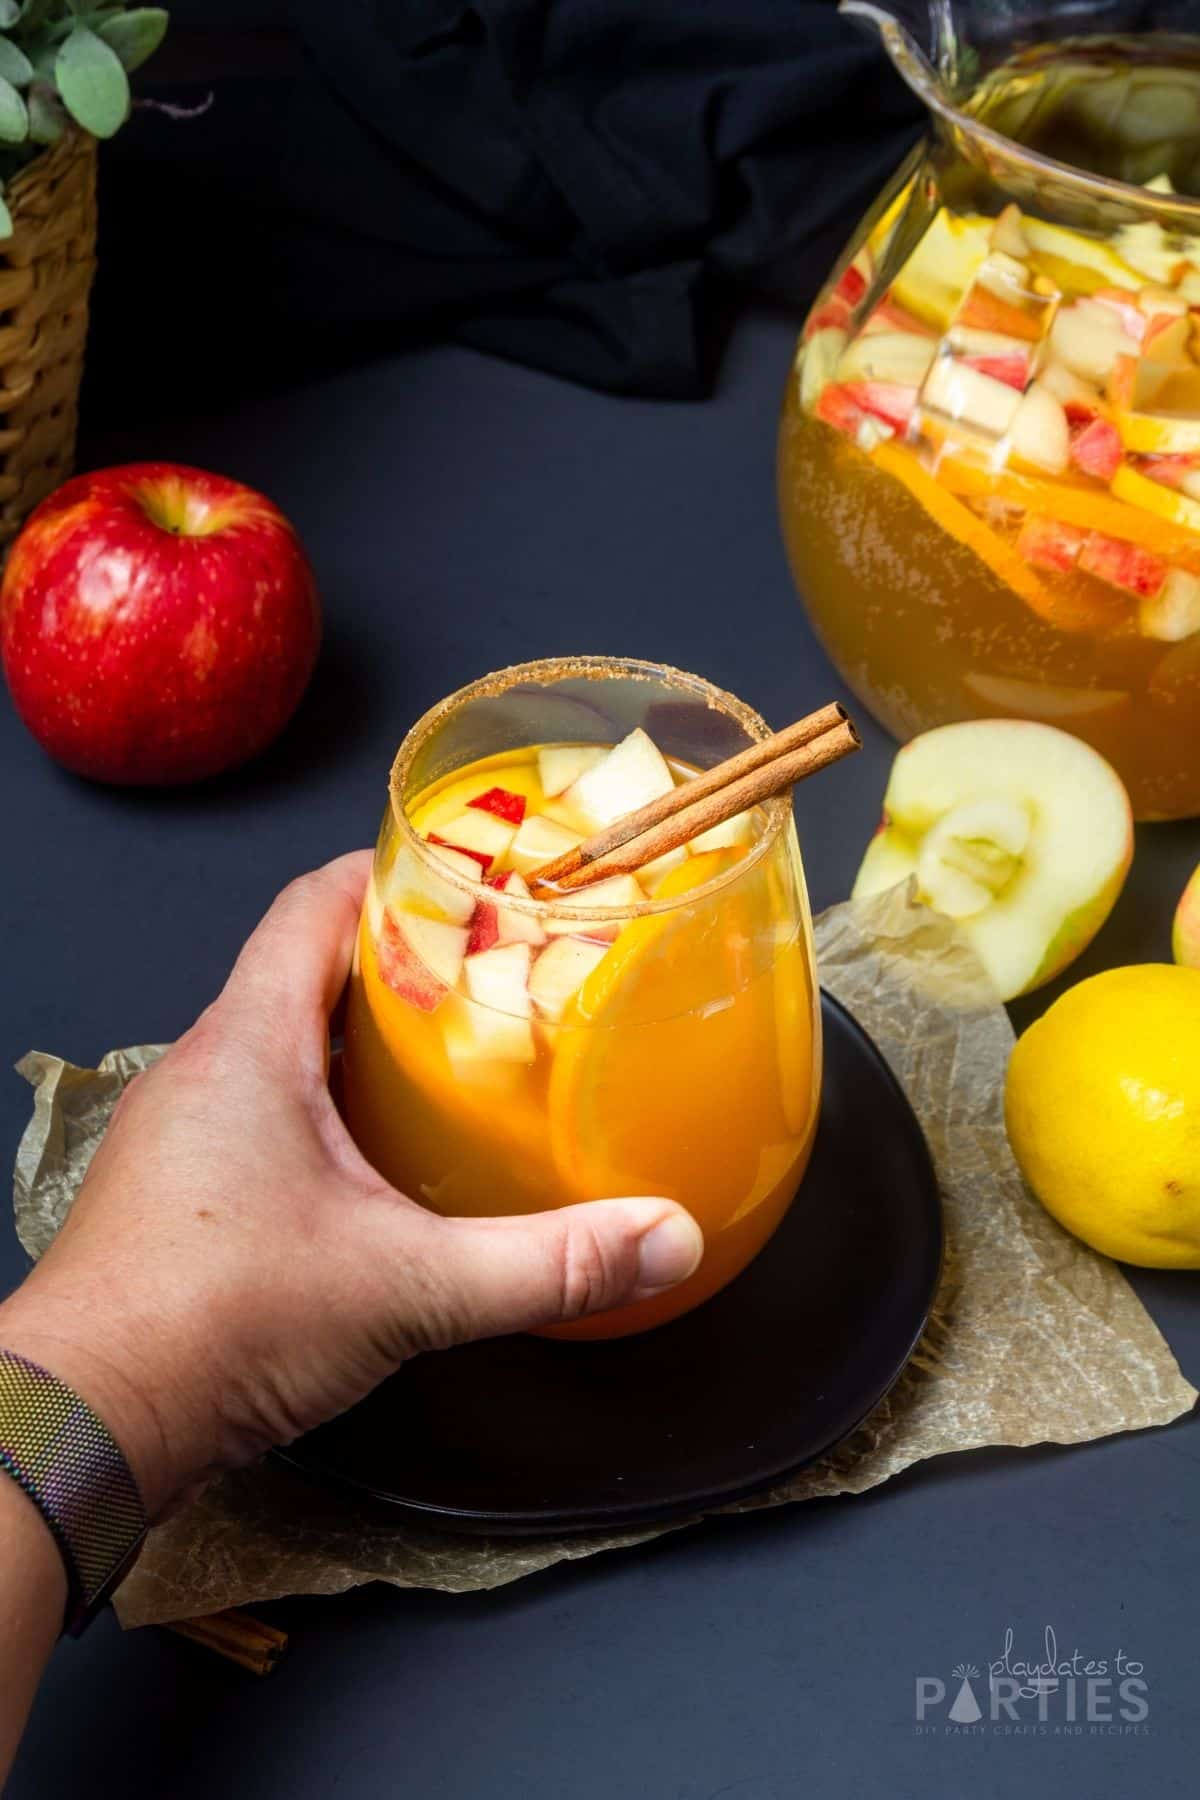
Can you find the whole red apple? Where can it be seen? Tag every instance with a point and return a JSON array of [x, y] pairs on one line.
[[157, 624]]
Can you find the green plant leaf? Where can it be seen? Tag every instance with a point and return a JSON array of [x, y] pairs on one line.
[[15, 66], [14, 120], [10, 12], [135, 35], [93, 85], [47, 120]]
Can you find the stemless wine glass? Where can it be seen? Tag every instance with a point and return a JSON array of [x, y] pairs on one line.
[[505, 1054]]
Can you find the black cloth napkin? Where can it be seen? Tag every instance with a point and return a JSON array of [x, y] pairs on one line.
[[572, 183]]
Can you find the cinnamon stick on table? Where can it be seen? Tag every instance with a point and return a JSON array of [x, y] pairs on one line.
[[742, 781], [236, 1636]]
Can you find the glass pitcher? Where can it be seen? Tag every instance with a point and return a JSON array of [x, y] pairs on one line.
[[989, 462]]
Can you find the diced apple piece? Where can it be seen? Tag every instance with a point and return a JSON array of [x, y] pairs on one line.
[[630, 776], [620, 892], [1146, 248], [420, 958], [818, 360], [1123, 565], [1081, 400], [1059, 245], [1132, 320], [561, 764], [1173, 614], [1167, 337], [1096, 449], [414, 885], [1007, 235], [724, 836], [834, 406], [539, 840], [502, 802], [1039, 434], [484, 929], [855, 278], [560, 971], [941, 267], [1153, 434], [1049, 544], [497, 1025], [884, 400], [889, 316], [969, 398], [887, 356], [1152, 301], [1088, 338], [515, 927], [479, 835], [1182, 472], [995, 353], [1023, 830]]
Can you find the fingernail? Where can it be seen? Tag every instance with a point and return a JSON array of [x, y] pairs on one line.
[[669, 1253]]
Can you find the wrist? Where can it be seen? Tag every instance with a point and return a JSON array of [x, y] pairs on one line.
[[118, 1370]]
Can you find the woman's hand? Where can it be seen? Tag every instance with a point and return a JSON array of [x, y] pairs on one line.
[[233, 1272]]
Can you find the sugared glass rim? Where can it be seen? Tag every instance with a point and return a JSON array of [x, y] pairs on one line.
[[777, 809]]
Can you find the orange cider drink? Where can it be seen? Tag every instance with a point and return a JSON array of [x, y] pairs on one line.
[[656, 1033]]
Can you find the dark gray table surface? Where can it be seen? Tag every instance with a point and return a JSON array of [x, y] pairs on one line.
[[461, 514]]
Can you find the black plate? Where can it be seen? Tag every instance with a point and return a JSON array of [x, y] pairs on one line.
[[525, 1434]]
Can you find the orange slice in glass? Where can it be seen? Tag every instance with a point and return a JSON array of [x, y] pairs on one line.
[[631, 1055]]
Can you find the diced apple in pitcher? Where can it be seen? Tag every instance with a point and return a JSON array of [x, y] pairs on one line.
[[480, 835], [420, 958], [819, 359], [889, 356], [561, 764], [1040, 435], [969, 398], [1096, 449], [1007, 235], [1049, 544], [414, 885], [1123, 565], [497, 1026], [560, 971], [631, 775], [1089, 337], [1174, 613], [620, 892], [1081, 400], [994, 353], [539, 840]]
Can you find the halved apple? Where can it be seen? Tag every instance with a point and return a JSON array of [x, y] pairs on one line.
[[1017, 830], [1185, 935]]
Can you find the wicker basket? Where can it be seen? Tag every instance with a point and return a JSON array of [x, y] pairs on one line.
[[46, 270]]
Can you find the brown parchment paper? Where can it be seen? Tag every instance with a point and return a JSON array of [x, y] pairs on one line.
[[1034, 1337]]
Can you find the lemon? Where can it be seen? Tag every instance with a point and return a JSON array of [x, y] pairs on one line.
[[1103, 1111]]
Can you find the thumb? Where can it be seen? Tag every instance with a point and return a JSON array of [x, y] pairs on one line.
[[493, 1276]]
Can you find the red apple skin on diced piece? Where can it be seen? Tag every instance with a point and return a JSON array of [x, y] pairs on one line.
[[835, 407], [1048, 544], [1123, 565], [851, 285], [401, 963], [833, 313], [1013, 371], [484, 929], [502, 802], [890, 401], [1096, 449], [1169, 471], [481, 857]]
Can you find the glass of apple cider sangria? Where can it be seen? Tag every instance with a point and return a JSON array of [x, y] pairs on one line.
[[654, 1033]]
